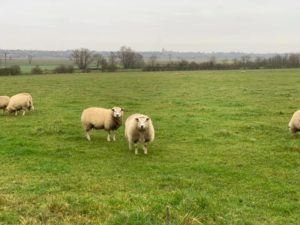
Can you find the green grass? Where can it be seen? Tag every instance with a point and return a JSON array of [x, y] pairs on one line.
[[222, 154]]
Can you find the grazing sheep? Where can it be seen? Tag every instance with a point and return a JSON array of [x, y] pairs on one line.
[[4, 100], [18, 102], [100, 118], [139, 128], [294, 124]]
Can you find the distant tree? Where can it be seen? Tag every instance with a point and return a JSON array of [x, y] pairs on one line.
[[245, 61], [5, 59], [97, 59], [103, 64], [82, 58], [30, 59], [112, 62], [130, 59], [36, 70], [153, 60]]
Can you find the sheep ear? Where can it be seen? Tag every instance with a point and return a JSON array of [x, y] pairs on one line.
[[137, 119]]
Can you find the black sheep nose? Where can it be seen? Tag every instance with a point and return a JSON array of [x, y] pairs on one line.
[[142, 126]]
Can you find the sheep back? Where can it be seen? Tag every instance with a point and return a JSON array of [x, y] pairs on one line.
[[19, 101], [98, 118]]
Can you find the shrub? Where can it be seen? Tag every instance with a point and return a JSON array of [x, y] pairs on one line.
[[36, 70], [12, 70], [64, 69]]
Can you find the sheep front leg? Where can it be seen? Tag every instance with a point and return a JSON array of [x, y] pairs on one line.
[[136, 148], [108, 135], [87, 130], [114, 135], [145, 149], [24, 111], [87, 134]]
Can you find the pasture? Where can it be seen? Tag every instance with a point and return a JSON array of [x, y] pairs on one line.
[[222, 154], [45, 64]]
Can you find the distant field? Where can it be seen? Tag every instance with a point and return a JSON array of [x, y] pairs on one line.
[[45, 64], [222, 154]]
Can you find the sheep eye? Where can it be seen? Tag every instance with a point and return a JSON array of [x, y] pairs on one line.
[[147, 119], [113, 109], [137, 119]]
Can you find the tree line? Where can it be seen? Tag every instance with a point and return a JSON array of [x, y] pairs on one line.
[[126, 58], [245, 62]]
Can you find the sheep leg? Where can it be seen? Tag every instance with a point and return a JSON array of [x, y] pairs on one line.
[[145, 149], [108, 135], [24, 111], [87, 132], [135, 148], [16, 112], [114, 135], [129, 145]]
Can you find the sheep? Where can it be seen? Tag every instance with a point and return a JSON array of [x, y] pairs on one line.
[[18, 102], [139, 128], [294, 124], [100, 118], [4, 100]]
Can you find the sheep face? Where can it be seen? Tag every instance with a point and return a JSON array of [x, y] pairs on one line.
[[117, 112], [142, 123]]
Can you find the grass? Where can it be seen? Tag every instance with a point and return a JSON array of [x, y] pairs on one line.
[[222, 154]]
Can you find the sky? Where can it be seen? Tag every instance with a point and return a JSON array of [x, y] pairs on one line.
[[258, 26]]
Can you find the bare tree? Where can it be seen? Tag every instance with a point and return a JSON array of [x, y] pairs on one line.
[[98, 58], [153, 59], [82, 58], [112, 62], [130, 59]]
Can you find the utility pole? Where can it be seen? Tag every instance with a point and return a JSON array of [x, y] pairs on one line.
[[5, 55]]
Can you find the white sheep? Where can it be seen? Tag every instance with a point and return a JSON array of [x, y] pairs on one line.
[[99, 118], [139, 129], [294, 124], [4, 100], [18, 102]]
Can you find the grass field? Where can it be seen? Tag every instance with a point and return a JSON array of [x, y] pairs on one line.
[[222, 154], [45, 64]]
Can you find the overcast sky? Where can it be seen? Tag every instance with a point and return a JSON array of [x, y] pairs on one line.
[[144, 25]]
